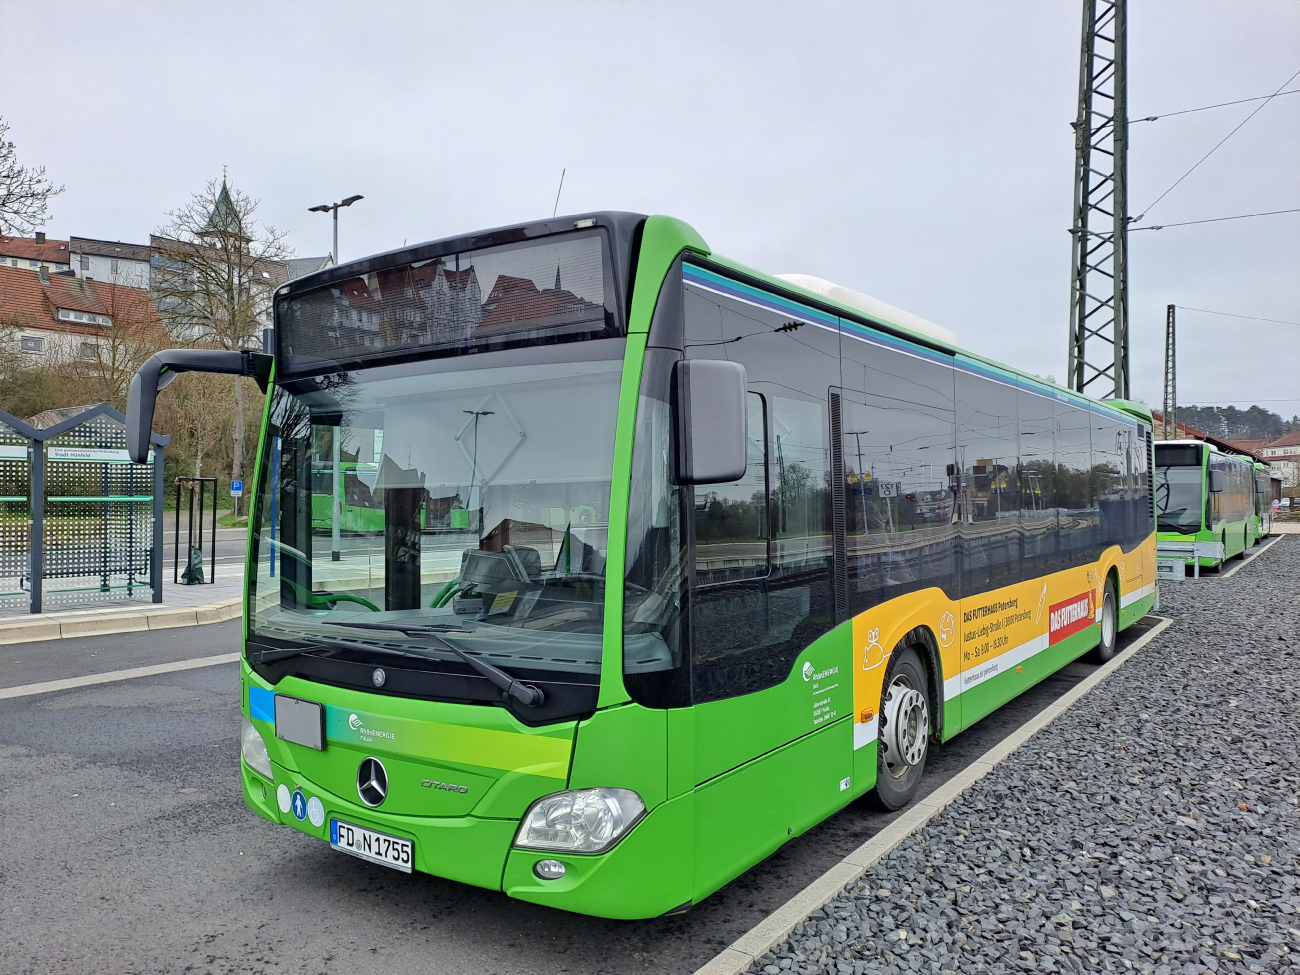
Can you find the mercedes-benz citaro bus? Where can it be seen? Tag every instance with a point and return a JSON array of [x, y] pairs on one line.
[[676, 558], [1263, 500], [1205, 505]]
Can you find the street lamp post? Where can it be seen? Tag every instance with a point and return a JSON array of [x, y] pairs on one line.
[[336, 505], [334, 209], [474, 462]]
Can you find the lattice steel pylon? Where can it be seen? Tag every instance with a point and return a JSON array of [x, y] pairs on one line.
[[1170, 425], [1099, 269]]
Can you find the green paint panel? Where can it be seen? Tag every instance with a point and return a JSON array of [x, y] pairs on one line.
[[987, 697], [466, 849], [681, 751], [662, 239], [623, 747], [645, 875], [1133, 612], [501, 765], [612, 691], [731, 732], [744, 816]]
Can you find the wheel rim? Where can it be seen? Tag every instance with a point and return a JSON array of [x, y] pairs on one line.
[[1108, 622], [906, 727]]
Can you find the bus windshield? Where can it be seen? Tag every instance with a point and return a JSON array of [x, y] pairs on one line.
[[473, 498], [1179, 504]]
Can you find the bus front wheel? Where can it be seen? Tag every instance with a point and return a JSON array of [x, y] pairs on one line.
[[904, 732], [1107, 620]]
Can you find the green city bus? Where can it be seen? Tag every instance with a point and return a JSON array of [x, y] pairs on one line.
[[1205, 505], [676, 558], [1264, 495]]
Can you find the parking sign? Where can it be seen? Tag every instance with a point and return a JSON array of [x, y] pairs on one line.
[[236, 489]]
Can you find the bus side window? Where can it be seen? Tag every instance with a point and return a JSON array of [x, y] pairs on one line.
[[1076, 513], [896, 445], [756, 603], [1038, 481], [988, 445], [731, 519]]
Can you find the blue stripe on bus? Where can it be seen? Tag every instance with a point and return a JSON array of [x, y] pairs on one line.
[[261, 704], [693, 274]]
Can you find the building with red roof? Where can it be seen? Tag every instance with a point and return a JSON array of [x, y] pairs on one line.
[[34, 252], [60, 317]]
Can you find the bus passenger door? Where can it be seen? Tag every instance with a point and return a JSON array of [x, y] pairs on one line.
[[766, 767]]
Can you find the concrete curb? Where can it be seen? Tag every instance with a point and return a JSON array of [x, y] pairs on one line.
[[25, 631], [776, 927]]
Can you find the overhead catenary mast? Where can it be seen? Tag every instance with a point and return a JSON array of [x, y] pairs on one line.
[[1098, 357], [1170, 426]]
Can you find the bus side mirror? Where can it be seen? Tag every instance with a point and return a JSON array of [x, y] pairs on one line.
[[1218, 482], [158, 372], [712, 421]]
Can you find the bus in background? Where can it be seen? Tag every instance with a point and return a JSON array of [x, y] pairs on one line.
[[1205, 505], [1264, 488], [664, 560]]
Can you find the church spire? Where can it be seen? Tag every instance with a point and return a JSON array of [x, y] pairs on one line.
[[224, 219]]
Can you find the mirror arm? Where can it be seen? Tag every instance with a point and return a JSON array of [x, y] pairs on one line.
[[149, 378]]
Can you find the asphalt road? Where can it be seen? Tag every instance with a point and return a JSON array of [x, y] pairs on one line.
[[128, 847]]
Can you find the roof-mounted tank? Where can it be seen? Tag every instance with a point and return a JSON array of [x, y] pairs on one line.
[[871, 307]]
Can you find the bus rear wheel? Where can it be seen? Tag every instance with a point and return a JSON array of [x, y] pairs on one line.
[[903, 732], [1108, 621]]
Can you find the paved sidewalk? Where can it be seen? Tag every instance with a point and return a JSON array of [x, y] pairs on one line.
[[1153, 828], [181, 606]]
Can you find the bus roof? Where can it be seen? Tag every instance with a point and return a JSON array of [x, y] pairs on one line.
[[624, 227], [872, 311]]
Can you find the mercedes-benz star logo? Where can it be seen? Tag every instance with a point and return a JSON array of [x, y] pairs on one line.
[[372, 782], [378, 677]]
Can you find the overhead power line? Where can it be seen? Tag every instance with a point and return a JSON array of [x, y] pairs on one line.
[[1239, 216], [1220, 142], [1240, 399], [1206, 108], [1228, 314]]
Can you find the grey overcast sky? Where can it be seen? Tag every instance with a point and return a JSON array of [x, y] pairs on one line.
[[920, 152]]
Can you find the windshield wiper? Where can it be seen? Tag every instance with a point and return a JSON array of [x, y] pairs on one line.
[[525, 694], [274, 654], [271, 655]]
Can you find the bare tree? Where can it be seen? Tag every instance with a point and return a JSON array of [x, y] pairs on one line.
[[24, 193], [215, 277], [109, 361]]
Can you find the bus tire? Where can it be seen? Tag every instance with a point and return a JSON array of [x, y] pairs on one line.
[[1108, 622], [903, 732]]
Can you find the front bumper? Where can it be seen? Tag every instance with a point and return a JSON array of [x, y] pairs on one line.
[[648, 873]]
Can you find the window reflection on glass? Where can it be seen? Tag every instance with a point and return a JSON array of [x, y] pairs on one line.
[[477, 499], [537, 292], [731, 519]]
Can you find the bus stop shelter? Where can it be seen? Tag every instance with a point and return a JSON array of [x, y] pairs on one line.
[[79, 523]]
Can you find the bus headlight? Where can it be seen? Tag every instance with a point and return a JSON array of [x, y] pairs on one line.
[[582, 821], [253, 748]]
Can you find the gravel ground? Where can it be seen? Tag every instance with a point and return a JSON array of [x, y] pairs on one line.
[[1154, 827]]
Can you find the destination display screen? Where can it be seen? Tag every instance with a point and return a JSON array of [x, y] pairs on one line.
[[1178, 455], [549, 290]]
